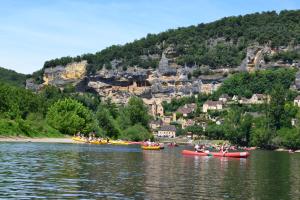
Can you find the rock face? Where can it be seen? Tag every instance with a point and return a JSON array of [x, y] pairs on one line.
[[60, 75]]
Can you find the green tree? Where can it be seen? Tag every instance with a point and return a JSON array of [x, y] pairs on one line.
[[106, 122], [69, 117], [137, 112]]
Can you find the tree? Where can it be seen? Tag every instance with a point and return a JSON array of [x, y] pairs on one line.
[[136, 133], [69, 117], [275, 109], [137, 112], [106, 122]]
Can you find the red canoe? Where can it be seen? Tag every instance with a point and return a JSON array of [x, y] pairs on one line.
[[141, 143], [231, 154], [218, 154], [195, 153]]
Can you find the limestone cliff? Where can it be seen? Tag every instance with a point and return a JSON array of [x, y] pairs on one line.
[[60, 75]]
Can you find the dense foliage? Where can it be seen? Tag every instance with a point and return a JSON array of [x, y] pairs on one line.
[[217, 44], [53, 112], [260, 82], [69, 116], [12, 77]]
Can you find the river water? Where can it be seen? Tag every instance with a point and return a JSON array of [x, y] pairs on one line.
[[79, 171]]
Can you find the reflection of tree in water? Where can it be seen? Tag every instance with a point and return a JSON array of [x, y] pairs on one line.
[[112, 174]]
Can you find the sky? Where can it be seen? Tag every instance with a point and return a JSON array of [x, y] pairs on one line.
[[33, 31]]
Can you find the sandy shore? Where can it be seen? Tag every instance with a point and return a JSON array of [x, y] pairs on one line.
[[26, 139]]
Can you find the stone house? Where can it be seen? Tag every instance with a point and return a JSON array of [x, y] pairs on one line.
[[155, 124], [186, 123], [257, 99], [155, 109], [187, 109], [297, 101], [167, 119], [224, 98], [212, 105], [167, 131]]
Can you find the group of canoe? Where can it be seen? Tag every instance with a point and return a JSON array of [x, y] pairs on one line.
[[157, 146], [113, 142]]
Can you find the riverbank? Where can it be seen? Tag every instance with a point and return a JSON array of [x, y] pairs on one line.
[[28, 139]]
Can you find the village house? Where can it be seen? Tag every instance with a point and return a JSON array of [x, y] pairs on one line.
[[187, 109], [167, 131], [244, 100], [297, 101], [155, 124], [224, 98], [209, 88], [186, 123], [257, 99], [155, 108], [167, 119], [212, 105]]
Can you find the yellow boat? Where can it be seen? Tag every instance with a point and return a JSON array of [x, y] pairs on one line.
[[78, 139], [150, 147], [98, 142]]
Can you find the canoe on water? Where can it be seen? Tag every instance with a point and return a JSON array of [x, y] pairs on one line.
[[78, 139], [194, 153], [98, 142], [218, 154], [151, 147]]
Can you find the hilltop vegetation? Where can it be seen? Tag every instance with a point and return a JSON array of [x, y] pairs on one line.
[[12, 77], [218, 44]]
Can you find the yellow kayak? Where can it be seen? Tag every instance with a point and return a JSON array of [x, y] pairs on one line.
[[78, 139], [98, 142], [151, 147]]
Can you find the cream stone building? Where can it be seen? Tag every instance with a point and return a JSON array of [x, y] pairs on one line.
[[167, 131], [212, 105]]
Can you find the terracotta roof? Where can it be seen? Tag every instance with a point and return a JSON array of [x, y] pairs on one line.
[[185, 110], [157, 122], [168, 128]]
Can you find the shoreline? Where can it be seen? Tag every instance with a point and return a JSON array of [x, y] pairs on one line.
[[42, 140]]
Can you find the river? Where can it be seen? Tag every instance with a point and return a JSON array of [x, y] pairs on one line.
[[80, 171]]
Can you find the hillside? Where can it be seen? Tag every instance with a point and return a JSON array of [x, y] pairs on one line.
[[11, 77], [219, 44], [180, 62]]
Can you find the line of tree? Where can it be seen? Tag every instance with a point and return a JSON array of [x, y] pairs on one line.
[[53, 112]]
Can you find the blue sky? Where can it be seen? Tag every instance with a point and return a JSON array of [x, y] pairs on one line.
[[33, 31]]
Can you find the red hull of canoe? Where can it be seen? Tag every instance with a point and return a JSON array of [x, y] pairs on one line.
[[218, 154], [231, 154], [187, 152], [141, 143]]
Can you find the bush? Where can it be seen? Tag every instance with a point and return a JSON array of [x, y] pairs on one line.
[[69, 117], [289, 137], [136, 133]]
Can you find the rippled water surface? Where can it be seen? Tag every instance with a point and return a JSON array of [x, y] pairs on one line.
[[62, 171]]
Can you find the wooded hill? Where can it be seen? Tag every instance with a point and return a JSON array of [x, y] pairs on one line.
[[222, 43]]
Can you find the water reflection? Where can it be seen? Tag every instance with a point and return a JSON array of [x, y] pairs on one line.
[[62, 171]]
